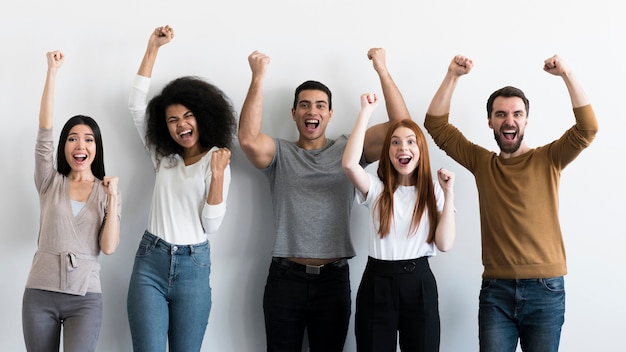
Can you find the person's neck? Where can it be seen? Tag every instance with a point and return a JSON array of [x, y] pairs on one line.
[[407, 180], [81, 176], [523, 149], [312, 144], [192, 155]]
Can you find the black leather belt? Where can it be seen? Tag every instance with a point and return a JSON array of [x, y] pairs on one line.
[[310, 269]]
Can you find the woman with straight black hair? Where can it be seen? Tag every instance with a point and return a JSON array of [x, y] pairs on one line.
[[80, 217]]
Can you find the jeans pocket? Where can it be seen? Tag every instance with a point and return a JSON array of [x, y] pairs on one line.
[[201, 257], [145, 248], [554, 284]]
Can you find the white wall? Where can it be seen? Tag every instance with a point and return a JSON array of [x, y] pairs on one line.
[[324, 40]]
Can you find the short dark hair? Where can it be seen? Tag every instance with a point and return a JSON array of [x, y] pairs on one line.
[[211, 107], [507, 92], [97, 166], [313, 85]]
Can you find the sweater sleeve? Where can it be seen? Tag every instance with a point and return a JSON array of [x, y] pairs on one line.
[[586, 124], [137, 103], [578, 137], [449, 139], [213, 214], [44, 159]]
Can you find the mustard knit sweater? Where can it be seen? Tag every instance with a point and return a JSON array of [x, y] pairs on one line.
[[518, 197]]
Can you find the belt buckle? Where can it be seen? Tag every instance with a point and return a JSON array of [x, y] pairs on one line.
[[313, 269], [409, 267]]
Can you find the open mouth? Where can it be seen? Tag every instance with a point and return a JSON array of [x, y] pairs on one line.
[[80, 157], [404, 160], [311, 123], [185, 135], [509, 135], [509, 132]]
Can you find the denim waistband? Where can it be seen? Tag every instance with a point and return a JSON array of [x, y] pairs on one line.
[[397, 266], [178, 249], [310, 269]]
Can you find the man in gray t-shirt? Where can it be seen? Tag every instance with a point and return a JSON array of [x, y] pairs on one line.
[[309, 283]]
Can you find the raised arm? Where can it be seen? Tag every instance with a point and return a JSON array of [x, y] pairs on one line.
[[159, 37], [137, 99], [557, 67], [215, 207], [110, 235], [440, 104], [394, 102], [220, 159], [258, 147], [46, 109], [352, 154], [445, 233]]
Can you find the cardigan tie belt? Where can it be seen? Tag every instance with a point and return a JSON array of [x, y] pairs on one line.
[[69, 260]]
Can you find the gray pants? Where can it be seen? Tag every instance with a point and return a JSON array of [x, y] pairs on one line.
[[45, 312]]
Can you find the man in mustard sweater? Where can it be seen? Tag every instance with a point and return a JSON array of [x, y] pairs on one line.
[[522, 294]]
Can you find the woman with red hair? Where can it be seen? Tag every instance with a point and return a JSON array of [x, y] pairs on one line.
[[412, 218]]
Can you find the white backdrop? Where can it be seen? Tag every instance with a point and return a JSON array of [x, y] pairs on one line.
[[326, 40]]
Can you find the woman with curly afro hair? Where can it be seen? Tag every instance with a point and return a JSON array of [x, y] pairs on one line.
[[187, 129]]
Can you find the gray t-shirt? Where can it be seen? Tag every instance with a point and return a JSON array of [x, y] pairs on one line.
[[312, 199]]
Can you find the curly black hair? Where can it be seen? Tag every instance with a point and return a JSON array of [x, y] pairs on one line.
[[211, 107]]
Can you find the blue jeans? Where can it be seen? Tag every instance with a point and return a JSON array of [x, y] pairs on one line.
[[531, 310], [295, 299], [169, 295]]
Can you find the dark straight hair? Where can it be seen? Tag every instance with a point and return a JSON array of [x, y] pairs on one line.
[[97, 166]]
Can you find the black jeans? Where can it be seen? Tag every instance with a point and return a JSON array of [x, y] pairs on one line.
[[295, 299]]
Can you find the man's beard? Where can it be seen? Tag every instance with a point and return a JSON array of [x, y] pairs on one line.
[[508, 148]]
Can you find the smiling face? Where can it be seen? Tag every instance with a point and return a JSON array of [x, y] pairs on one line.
[[508, 121], [312, 114], [404, 153], [182, 125], [80, 148]]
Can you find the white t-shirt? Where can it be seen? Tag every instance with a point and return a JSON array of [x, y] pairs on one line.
[[398, 245], [179, 213]]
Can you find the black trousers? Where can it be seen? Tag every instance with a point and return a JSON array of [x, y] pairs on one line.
[[397, 299], [297, 297]]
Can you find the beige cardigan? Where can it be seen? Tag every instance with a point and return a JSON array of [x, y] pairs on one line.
[[67, 255]]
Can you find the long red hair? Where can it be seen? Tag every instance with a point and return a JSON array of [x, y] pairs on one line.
[[421, 177]]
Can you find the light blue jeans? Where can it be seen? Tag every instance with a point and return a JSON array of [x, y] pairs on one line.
[[531, 310], [169, 295]]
